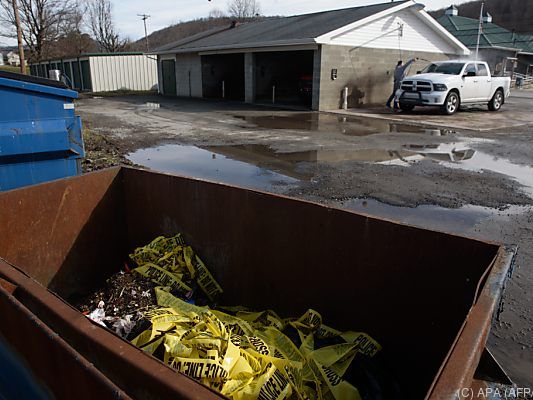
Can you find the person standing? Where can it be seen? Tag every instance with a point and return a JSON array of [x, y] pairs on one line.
[[399, 74]]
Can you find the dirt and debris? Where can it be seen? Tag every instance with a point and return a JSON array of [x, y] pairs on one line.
[[124, 297], [101, 151]]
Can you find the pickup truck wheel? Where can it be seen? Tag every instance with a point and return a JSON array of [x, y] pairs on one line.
[[496, 102], [407, 107], [451, 104]]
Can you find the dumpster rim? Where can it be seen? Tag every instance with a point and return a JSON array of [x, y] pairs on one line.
[[38, 88], [459, 366], [297, 199], [85, 327]]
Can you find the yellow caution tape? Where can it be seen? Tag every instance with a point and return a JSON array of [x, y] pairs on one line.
[[244, 360], [246, 355], [163, 277], [169, 262]]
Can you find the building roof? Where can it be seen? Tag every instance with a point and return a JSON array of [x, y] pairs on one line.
[[493, 36], [297, 29], [85, 55]]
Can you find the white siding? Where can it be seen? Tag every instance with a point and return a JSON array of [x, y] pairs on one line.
[[383, 34], [135, 72]]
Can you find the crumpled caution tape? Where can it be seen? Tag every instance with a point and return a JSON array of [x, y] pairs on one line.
[[170, 262], [247, 356]]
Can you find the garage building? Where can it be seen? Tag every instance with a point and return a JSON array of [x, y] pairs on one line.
[[306, 60], [103, 72]]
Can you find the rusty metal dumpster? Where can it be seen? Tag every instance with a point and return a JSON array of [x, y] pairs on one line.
[[428, 297]]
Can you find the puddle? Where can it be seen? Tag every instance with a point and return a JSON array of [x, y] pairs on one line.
[[350, 126], [252, 165], [455, 220], [460, 156], [259, 166], [481, 161], [205, 164]]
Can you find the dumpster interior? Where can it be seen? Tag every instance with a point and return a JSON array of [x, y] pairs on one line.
[[410, 289]]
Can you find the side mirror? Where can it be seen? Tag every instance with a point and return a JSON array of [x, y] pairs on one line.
[[418, 72], [469, 74]]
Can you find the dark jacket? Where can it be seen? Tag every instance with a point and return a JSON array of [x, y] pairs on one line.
[[399, 72]]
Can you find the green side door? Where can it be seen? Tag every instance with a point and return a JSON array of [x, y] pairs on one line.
[[86, 75], [168, 68]]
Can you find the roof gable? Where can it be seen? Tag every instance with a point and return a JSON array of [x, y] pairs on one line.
[[420, 32]]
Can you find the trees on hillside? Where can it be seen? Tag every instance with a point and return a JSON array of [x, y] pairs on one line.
[[244, 9], [216, 13]]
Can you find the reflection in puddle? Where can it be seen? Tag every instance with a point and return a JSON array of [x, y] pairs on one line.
[[205, 164], [454, 220], [252, 165], [259, 166], [459, 156], [482, 161], [440, 152], [328, 123]]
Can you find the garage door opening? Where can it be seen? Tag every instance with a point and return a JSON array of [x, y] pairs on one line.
[[284, 77], [223, 76]]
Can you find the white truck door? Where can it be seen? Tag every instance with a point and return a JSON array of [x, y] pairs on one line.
[[484, 86], [470, 84]]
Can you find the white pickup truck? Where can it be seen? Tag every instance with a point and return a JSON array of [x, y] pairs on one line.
[[450, 84]]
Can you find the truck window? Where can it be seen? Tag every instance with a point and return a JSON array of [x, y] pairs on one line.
[[482, 70], [470, 68], [444, 68]]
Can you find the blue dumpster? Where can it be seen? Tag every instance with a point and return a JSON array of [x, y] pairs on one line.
[[40, 137]]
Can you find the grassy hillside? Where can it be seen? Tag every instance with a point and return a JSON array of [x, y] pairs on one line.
[[9, 68]]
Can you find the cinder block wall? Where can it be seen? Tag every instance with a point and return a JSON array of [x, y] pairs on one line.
[[189, 75], [367, 72]]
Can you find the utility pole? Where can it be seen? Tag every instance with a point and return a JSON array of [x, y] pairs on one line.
[[19, 37], [144, 17], [480, 29]]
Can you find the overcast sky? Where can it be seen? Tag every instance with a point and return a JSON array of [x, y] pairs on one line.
[[167, 12]]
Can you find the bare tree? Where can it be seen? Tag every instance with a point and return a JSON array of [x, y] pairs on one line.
[[102, 26], [244, 9], [216, 13], [74, 40], [42, 23]]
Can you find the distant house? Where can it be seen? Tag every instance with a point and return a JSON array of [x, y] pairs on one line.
[[103, 72], [306, 59], [504, 50], [1, 59], [13, 59]]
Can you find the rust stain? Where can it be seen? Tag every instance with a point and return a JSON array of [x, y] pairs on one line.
[[60, 209]]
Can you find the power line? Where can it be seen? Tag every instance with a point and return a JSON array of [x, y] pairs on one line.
[[144, 17]]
